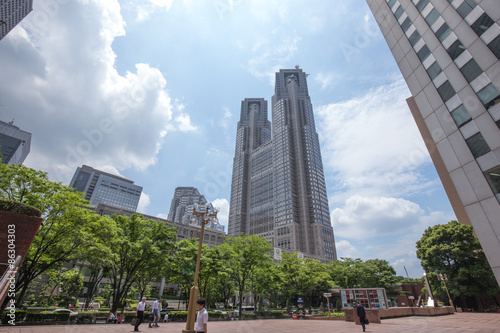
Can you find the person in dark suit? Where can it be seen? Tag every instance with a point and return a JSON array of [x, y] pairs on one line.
[[361, 314]]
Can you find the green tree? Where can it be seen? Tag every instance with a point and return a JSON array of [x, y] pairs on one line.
[[142, 245], [248, 253], [71, 285], [378, 273], [452, 250], [347, 272], [64, 227]]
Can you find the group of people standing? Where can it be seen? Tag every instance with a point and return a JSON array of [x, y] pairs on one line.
[[201, 318]]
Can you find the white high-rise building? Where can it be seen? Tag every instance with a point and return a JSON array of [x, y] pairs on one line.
[[448, 52]]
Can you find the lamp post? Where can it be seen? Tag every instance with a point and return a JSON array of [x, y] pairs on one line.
[[443, 278], [193, 295]]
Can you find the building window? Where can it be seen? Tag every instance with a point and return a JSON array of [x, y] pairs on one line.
[[423, 53], [391, 3], [443, 32], [414, 38], [446, 91], [471, 70], [482, 24], [489, 96], [466, 7], [399, 12], [494, 46], [421, 4], [406, 24], [460, 116], [456, 49], [493, 178], [434, 70], [477, 145], [432, 17]]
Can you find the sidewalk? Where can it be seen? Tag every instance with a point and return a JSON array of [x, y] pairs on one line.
[[456, 323]]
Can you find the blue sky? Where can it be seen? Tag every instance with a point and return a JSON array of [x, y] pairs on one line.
[[151, 90]]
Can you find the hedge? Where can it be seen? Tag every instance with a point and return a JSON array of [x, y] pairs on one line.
[[19, 208]]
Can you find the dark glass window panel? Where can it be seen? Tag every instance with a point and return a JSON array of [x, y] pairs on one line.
[[446, 91], [477, 145], [443, 32], [432, 17], [489, 96], [482, 24], [494, 46], [399, 12], [466, 7], [456, 49], [498, 123], [434, 70], [391, 3], [471, 70], [406, 24], [493, 178], [460, 115], [421, 4], [415, 36], [423, 53]]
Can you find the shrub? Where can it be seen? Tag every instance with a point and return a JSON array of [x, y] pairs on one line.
[[277, 313], [249, 315], [47, 316], [19, 316], [19, 208]]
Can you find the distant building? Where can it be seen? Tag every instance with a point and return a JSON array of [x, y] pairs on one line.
[[102, 187], [448, 53], [278, 187], [181, 207], [14, 143], [11, 13]]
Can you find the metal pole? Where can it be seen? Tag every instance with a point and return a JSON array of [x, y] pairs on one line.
[[447, 292]]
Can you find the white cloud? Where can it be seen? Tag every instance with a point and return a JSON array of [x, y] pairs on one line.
[[144, 202], [184, 123], [225, 121], [162, 216], [147, 7], [325, 79], [63, 78], [223, 215], [345, 249], [372, 144]]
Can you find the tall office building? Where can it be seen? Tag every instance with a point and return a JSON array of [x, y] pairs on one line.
[[14, 143], [182, 205], [102, 187], [448, 52], [11, 13], [278, 187]]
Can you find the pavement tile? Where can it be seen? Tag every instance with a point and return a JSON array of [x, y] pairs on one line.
[[456, 323]]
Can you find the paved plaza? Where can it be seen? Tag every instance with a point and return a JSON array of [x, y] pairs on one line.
[[457, 323]]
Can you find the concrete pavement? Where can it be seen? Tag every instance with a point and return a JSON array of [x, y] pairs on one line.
[[456, 323]]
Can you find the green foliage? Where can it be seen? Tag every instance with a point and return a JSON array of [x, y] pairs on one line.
[[19, 316], [249, 315], [452, 250], [19, 208], [354, 273]]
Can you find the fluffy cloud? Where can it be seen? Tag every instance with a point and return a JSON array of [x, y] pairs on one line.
[[144, 202], [63, 78], [223, 215]]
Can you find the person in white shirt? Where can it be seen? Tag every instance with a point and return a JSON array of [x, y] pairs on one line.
[[139, 313], [156, 312], [201, 317], [165, 320]]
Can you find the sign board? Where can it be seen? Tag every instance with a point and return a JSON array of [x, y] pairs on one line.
[[370, 298], [300, 308], [277, 253], [327, 294]]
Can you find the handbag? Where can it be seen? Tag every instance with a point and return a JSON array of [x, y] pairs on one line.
[[366, 321], [134, 321]]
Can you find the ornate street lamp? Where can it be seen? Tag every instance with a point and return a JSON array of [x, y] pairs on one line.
[[206, 213], [443, 278]]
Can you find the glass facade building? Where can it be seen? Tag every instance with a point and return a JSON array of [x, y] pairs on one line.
[[278, 187], [102, 187], [15, 143], [448, 52], [182, 205], [11, 13]]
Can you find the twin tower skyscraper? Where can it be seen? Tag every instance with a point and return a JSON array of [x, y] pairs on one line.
[[278, 186]]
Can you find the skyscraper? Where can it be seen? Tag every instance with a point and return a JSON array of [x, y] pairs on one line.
[[11, 13], [102, 187], [14, 143], [278, 187], [448, 53], [181, 208]]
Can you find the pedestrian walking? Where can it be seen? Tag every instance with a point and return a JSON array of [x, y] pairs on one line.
[[139, 313], [155, 311], [361, 314]]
